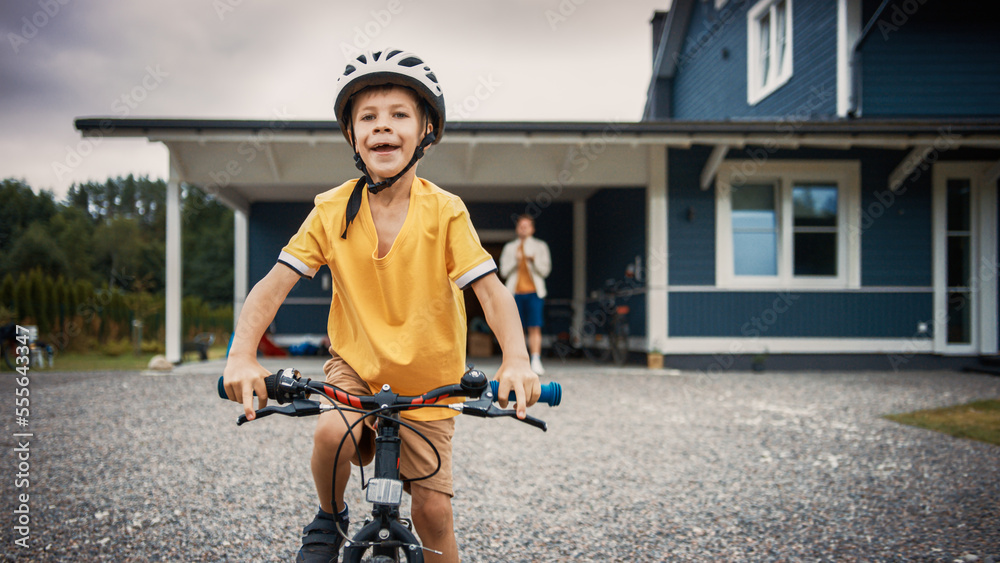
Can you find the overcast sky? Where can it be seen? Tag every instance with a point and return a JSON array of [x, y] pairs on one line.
[[533, 60]]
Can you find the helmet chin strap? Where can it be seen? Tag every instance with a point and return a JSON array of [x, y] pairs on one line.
[[376, 187], [354, 203]]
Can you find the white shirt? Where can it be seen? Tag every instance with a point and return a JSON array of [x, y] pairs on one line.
[[540, 267]]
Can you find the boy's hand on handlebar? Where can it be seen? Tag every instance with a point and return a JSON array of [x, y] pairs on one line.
[[519, 378], [241, 379]]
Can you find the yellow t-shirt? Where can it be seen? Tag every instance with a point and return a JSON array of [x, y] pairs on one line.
[[399, 319]]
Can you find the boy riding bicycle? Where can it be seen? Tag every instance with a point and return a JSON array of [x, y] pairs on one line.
[[400, 251]]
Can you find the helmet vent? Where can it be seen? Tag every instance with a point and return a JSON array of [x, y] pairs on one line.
[[349, 70], [393, 53], [410, 62]]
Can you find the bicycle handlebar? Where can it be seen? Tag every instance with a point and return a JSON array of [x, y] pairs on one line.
[[282, 390], [286, 386]]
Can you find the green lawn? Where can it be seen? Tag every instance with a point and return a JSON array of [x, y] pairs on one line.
[[977, 421], [100, 362]]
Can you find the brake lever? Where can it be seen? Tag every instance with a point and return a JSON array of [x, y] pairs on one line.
[[297, 408], [485, 408]]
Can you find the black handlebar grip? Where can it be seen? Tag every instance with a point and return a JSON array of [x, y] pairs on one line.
[[551, 393], [270, 381]]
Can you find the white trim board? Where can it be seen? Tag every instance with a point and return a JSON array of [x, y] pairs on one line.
[[983, 256], [738, 345], [848, 31], [757, 92]]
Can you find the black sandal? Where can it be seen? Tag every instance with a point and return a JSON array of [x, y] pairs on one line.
[[320, 540]]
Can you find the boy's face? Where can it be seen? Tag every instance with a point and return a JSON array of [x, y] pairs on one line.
[[388, 126]]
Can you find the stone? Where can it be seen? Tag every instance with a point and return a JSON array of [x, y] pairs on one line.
[[160, 363]]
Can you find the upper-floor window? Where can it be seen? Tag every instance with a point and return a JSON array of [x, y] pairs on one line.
[[769, 47]]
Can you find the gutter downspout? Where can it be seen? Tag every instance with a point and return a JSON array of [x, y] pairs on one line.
[[854, 108]]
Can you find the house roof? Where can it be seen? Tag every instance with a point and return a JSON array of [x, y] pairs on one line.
[[245, 161]]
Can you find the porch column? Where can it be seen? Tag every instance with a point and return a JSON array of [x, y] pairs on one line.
[[656, 250], [240, 258], [173, 305], [579, 268]]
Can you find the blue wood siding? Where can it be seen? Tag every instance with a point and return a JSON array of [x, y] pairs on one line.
[[270, 227], [774, 314], [932, 59], [616, 235], [691, 220], [711, 85], [895, 229], [553, 224]]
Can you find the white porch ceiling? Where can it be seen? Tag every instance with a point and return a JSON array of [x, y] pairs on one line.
[[240, 169]]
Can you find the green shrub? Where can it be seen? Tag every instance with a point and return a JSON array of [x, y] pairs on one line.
[[153, 347], [115, 348]]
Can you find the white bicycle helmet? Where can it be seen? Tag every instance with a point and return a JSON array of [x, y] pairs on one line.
[[376, 68], [390, 66]]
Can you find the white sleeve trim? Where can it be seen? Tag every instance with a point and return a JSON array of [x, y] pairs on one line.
[[297, 265], [474, 274]]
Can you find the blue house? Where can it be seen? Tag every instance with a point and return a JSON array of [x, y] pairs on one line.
[[854, 209], [809, 178]]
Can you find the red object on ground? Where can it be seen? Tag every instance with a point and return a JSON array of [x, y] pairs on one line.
[[268, 348]]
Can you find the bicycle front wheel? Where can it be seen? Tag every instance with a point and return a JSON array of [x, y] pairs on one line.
[[358, 553], [618, 343], [600, 351]]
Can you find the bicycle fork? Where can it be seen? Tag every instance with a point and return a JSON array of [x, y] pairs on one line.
[[385, 531]]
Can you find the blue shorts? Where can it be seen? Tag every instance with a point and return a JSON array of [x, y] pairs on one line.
[[529, 305]]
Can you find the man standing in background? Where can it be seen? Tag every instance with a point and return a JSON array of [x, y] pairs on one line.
[[525, 263]]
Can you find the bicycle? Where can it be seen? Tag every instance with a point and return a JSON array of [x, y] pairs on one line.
[[613, 316], [385, 532], [18, 341]]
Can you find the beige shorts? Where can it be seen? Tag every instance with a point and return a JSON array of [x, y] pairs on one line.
[[416, 457]]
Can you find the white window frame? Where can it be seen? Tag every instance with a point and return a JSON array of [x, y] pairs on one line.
[[785, 174], [756, 90]]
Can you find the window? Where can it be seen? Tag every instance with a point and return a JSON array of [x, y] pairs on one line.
[[769, 48], [788, 224]]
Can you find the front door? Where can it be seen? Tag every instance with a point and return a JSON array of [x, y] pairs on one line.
[[965, 265]]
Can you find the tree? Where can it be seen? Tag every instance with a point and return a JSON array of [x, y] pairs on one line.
[[36, 248], [23, 305], [207, 248], [7, 292], [74, 233]]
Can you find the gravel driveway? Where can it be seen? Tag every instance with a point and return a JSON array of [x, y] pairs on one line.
[[636, 466]]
